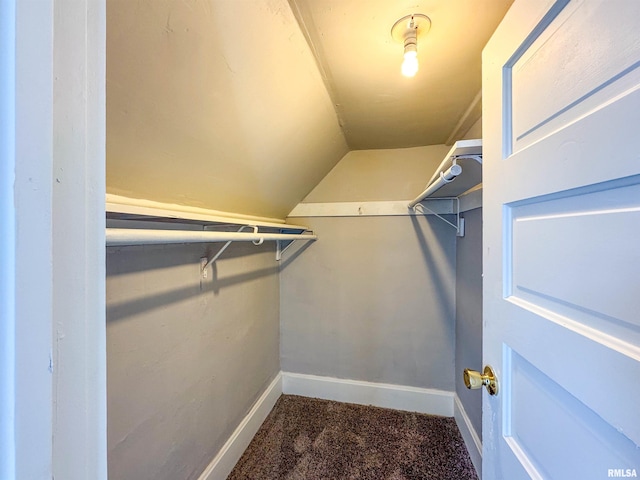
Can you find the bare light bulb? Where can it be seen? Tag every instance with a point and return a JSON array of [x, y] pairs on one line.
[[410, 64], [407, 30]]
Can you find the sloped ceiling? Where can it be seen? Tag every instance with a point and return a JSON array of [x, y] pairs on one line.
[[360, 62], [215, 104], [244, 105]]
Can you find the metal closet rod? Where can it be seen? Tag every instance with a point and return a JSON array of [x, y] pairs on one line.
[[126, 236], [445, 177]]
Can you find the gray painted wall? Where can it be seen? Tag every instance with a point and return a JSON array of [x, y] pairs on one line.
[[469, 313], [372, 300], [186, 360]]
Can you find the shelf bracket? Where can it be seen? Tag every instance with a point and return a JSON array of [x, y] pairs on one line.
[[280, 249], [459, 225], [283, 245], [224, 247]]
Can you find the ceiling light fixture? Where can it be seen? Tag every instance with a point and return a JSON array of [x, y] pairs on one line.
[[407, 30]]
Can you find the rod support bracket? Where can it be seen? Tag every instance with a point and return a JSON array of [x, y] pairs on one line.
[[459, 225], [224, 247]]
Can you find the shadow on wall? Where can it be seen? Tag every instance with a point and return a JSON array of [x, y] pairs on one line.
[[151, 267], [141, 258], [290, 256], [429, 253]]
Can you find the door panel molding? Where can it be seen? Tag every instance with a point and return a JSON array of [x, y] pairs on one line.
[[561, 208]]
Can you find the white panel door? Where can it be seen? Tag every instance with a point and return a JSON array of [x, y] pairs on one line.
[[561, 96]]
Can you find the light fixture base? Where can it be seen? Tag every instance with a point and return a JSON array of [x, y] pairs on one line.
[[421, 26]]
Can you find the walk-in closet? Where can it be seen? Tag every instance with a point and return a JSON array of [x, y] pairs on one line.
[[226, 119], [319, 239]]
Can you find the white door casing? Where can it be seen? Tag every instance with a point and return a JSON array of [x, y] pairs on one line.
[[561, 255], [52, 255]]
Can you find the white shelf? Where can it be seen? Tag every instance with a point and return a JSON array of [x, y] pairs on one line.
[[462, 153], [142, 222], [137, 210], [459, 172]]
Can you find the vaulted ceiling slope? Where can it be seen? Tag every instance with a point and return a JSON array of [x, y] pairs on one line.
[[360, 62], [215, 104], [243, 106]]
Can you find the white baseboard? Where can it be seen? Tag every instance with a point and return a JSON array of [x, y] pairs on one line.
[[398, 397], [221, 466], [469, 435]]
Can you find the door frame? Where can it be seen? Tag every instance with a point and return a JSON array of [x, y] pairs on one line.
[[52, 281]]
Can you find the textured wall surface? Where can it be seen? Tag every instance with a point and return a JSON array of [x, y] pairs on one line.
[[215, 104], [378, 175], [372, 300], [469, 313], [186, 360], [475, 131]]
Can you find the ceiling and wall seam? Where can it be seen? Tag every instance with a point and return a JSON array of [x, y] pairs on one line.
[[310, 33], [468, 118], [360, 60]]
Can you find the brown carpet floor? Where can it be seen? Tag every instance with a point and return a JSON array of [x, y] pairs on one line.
[[307, 438]]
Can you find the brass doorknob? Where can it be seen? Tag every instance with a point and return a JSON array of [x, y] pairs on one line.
[[473, 380]]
